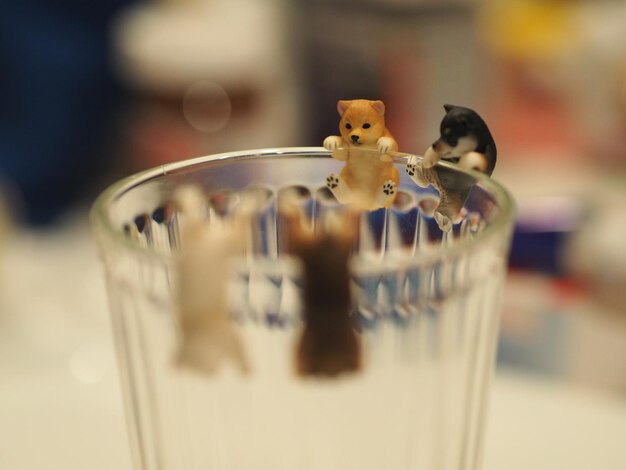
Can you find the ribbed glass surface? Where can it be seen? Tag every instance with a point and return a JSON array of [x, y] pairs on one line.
[[425, 304]]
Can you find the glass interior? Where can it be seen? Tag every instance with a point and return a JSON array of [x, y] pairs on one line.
[[425, 308]]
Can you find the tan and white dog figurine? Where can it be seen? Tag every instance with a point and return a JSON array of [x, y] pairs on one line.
[[208, 248], [369, 178]]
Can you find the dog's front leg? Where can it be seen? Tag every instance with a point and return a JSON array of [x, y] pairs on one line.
[[449, 210], [334, 144], [473, 161], [421, 176], [431, 157], [386, 145]]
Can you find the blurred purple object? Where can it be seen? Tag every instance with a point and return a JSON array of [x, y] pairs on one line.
[[543, 227]]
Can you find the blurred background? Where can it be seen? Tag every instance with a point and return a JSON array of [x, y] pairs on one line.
[[92, 91]]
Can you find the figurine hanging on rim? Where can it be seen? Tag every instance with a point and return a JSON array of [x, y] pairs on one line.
[[465, 140], [369, 178]]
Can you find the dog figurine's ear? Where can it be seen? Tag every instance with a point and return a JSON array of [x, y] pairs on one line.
[[379, 106], [293, 229], [448, 107], [342, 105]]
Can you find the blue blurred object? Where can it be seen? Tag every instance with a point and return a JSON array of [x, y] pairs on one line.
[[55, 91], [538, 251], [544, 227]]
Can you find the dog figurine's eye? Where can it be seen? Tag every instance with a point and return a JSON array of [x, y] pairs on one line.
[[446, 131], [348, 126], [367, 125]]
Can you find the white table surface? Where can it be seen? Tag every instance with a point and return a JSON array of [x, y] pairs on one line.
[[60, 403]]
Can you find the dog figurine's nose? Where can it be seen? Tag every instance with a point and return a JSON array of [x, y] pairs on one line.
[[355, 138]]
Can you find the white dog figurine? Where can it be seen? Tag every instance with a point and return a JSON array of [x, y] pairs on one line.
[[209, 336]]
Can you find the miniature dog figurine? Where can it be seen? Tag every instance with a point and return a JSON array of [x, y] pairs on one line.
[[329, 345], [369, 179], [209, 336], [465, 139]]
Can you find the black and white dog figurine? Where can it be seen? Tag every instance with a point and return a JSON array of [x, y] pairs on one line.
[[465, 140]]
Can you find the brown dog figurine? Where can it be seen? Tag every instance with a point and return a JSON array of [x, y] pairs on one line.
[[328, 345], [369, 179]]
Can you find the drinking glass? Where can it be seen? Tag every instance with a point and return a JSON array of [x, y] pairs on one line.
[[426, 307]]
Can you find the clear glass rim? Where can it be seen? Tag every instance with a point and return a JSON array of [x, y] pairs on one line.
[[103, 226]]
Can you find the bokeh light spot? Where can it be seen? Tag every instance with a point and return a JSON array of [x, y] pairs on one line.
[[206, 106]]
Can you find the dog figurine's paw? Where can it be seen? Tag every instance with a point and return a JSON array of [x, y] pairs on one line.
[[473, 161], [389, 188], [385, 145], [411, 169], [386, 194], [415, 170], [444, 222], [332, 142], [332, 181], [339, 188]]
